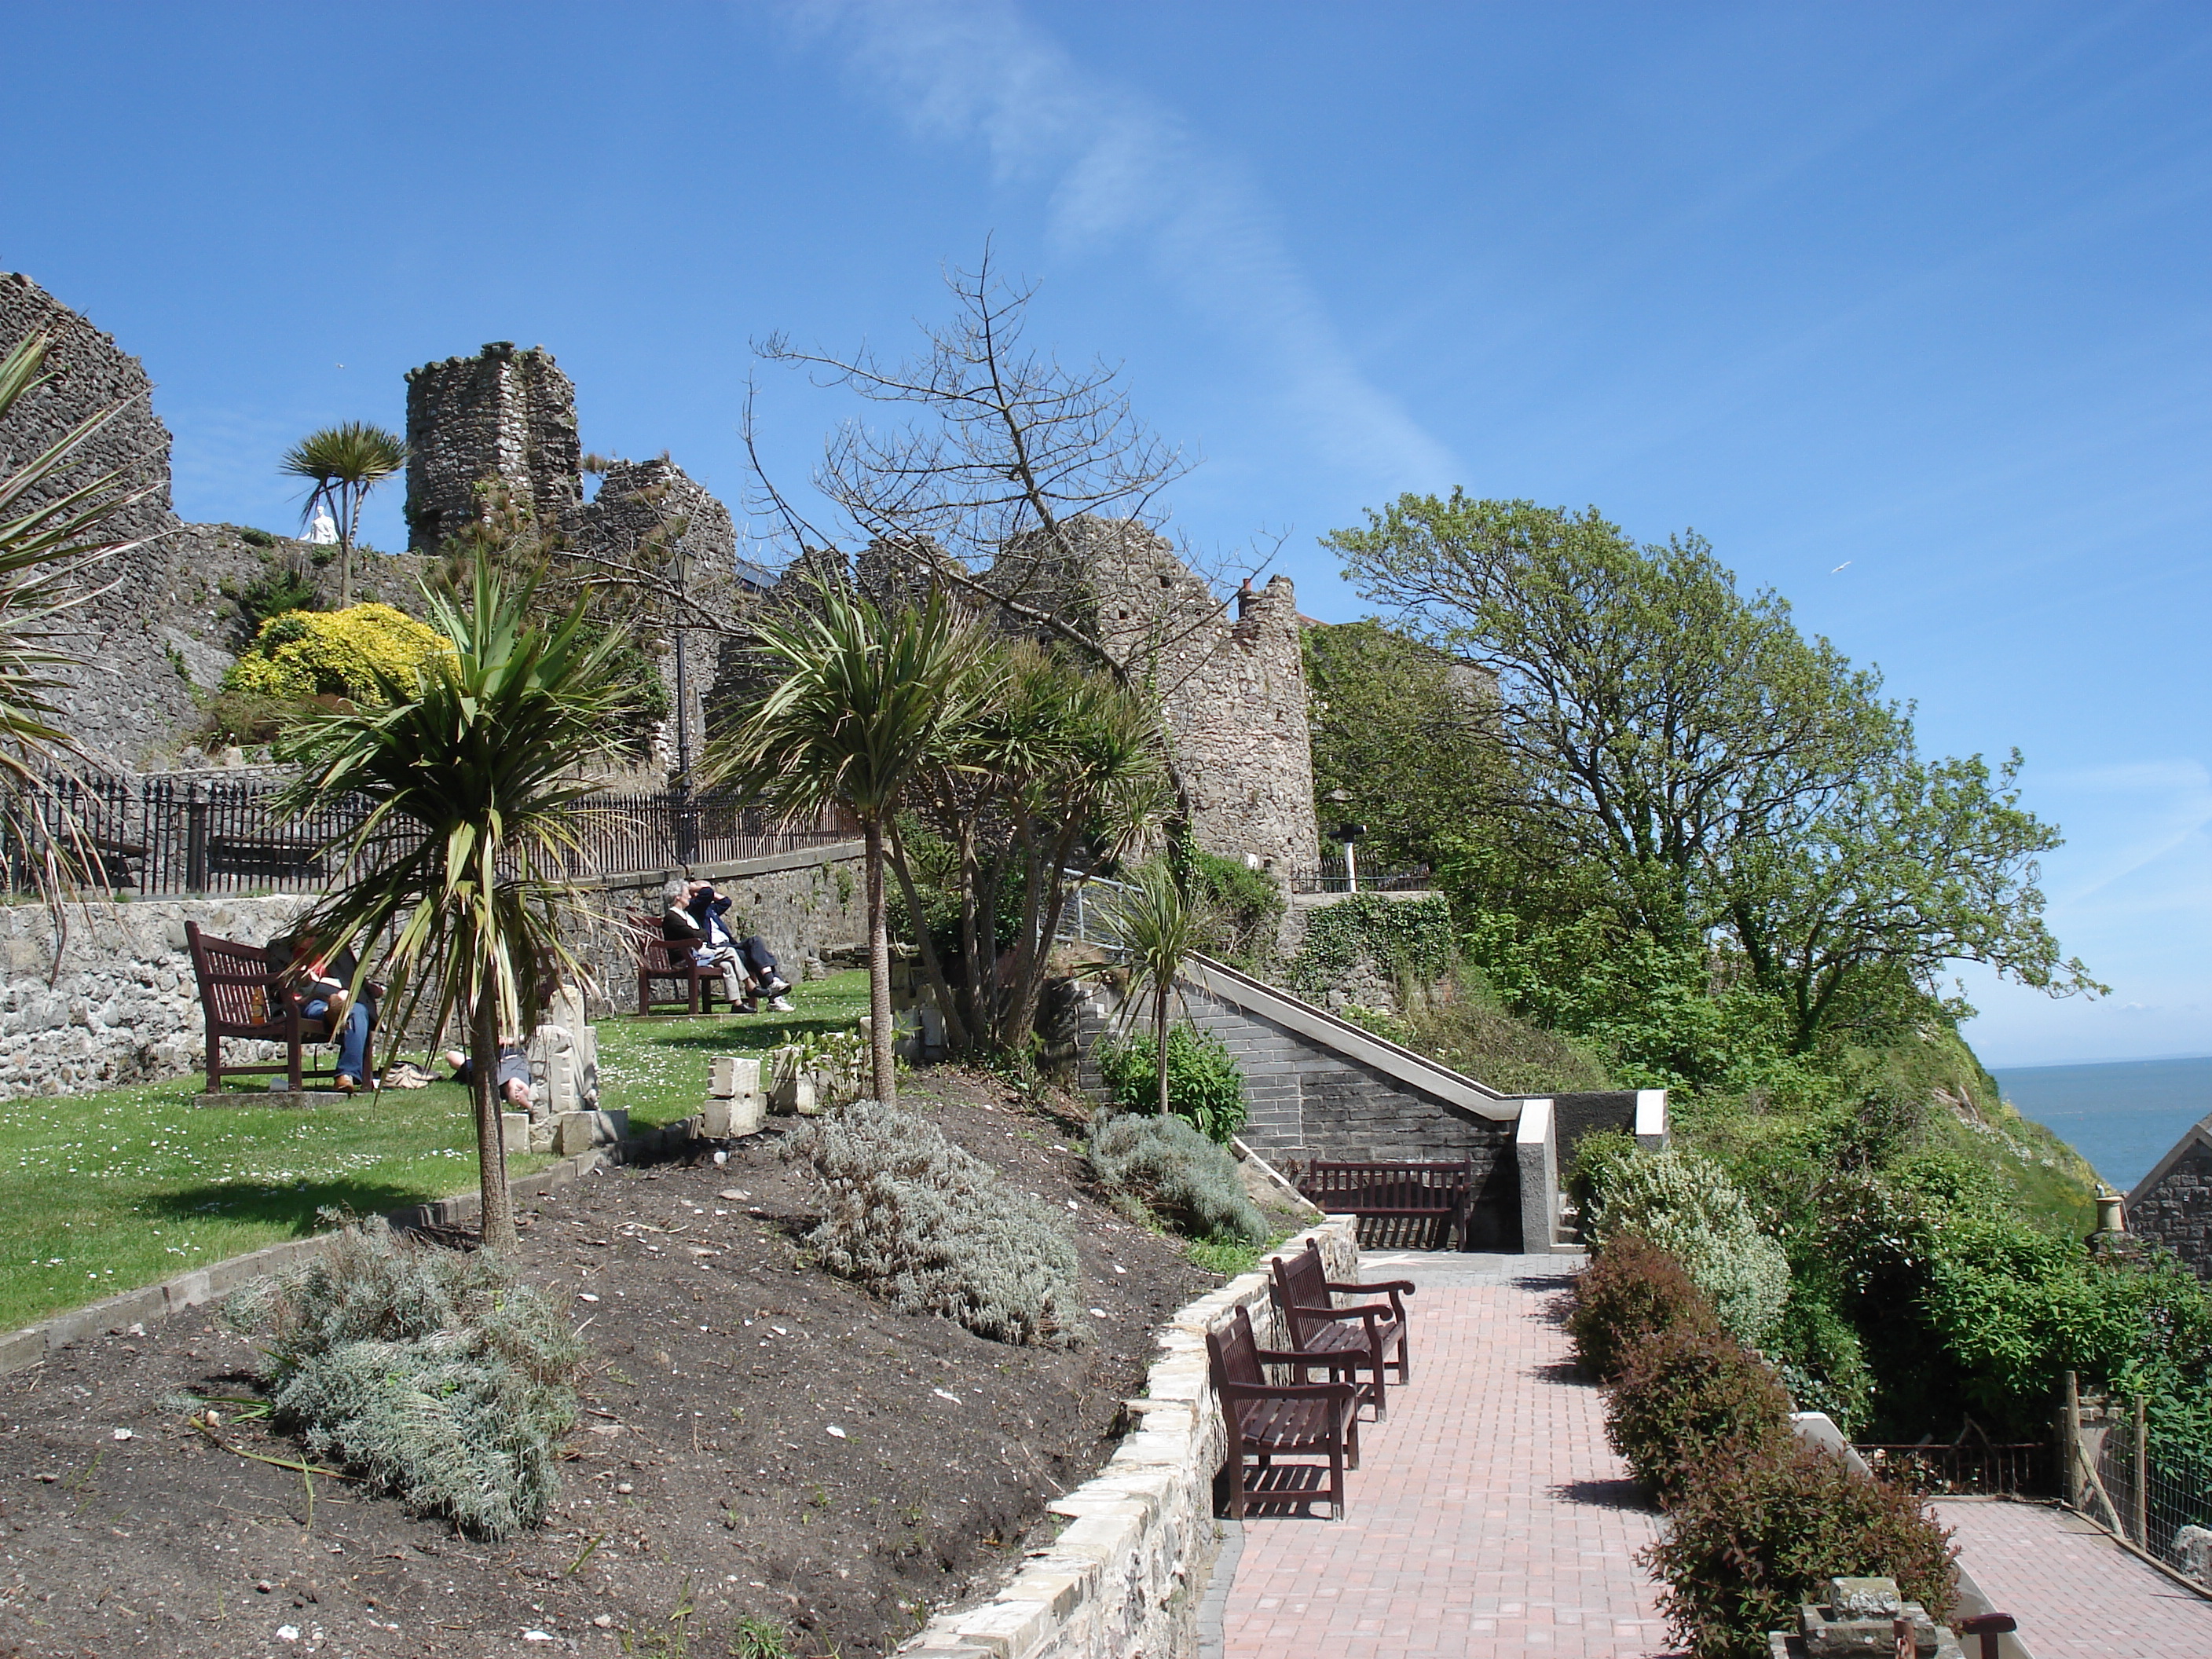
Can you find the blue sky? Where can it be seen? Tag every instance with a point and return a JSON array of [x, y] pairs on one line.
[[1918, 292]]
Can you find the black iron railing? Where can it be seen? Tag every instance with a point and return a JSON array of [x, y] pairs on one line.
[[166, 835], [1330, 876]]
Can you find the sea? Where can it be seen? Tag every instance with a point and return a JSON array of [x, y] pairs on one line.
[[2122, 1115]]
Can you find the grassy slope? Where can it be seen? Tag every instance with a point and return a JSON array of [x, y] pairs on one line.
[[101, 1192]]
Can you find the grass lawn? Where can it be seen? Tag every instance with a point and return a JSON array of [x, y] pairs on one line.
[[103, 1193]]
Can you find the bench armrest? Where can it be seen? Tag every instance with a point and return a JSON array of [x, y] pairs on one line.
[[1391, 1286]]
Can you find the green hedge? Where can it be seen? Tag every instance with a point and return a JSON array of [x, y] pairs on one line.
[[1403, 937]]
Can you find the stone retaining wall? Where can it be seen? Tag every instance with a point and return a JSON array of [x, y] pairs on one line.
[[1124, 1576], [124, 1008]]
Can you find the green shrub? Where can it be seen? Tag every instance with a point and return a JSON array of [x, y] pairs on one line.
[[1822, 1361], [1204, 1085], [1689, 1396], [1752, 1538], [1171, 1169], [931, 1228], [1633, 1291], [1688, 1206], [342, 654], [1244, 906], [1405, 938], [434, 1372]]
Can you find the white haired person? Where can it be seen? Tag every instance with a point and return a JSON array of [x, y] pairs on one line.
[[694, 918]]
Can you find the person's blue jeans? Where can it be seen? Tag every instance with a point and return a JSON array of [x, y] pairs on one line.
[[353, 1041]]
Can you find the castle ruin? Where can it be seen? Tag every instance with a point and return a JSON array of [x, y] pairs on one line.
[[1229, 678]]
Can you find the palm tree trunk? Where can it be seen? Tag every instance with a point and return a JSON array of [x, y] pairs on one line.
[[879, 967], [349, 518], [1160, 1042], [491, 1144]]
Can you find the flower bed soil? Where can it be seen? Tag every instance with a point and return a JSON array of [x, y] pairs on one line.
[[760, 1441]]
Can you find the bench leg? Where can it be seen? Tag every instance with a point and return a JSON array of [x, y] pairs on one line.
[[1236, 1478], [1336, 1475]]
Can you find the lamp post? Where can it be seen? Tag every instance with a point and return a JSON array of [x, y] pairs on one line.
[[686, 836]]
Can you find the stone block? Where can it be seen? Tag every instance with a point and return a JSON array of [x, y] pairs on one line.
[[514, 1132], [1009, 1628], [186, 1291], [731, 1075], [579, 1131]]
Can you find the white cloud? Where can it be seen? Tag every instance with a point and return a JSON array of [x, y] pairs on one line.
[[1119, 168]]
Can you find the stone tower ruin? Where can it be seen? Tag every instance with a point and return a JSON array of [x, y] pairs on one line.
[[1231, 679], [503, 414]]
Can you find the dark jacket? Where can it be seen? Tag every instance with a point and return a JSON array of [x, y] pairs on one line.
[[679, 926]]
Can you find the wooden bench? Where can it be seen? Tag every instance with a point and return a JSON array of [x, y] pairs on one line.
[[1406, 1206], [1358, 1337], [658, 959], [1266, 1421], [241, 999]]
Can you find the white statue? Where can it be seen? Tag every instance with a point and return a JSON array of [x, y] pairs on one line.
[[323, 530]]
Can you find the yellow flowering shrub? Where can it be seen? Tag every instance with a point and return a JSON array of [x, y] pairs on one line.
[[304, 653]]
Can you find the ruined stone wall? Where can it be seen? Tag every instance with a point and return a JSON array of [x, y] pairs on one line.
[[503, 414], [1230, 678], [647, 512]]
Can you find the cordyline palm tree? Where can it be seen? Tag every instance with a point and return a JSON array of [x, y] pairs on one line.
[[52, 525], [1157, 923], [470, 772], [869, 695], [344, 463]]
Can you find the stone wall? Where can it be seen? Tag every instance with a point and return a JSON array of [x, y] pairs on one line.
[[124, 1008], [503, 413], [1230, 678], [1123, 1578], [2172, 1204], [1320, 1090]]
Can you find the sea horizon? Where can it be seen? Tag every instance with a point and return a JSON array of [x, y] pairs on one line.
[[2121, 1114]]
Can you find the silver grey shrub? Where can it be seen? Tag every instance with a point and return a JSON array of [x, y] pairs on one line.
[[1684, 1204], [434, 1372], [932, 1229], [1170, 1168]]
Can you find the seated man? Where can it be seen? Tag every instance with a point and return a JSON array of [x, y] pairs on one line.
[[694, 918], [324, 982]]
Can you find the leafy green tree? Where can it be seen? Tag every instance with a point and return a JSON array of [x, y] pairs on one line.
[[344, 463], [1896, 872], [869, 697], [1697, 768], [1398, 728], [469, 768]]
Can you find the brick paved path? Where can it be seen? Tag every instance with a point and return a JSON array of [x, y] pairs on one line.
[[2076, 1594], [1488, 1516]]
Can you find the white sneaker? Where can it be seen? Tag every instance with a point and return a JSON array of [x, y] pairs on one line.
[[783, 1005]]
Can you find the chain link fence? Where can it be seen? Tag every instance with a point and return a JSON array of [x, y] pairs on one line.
[[2147, 1488]]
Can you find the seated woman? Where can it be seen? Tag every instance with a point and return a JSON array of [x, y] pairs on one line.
[[695, 919]]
